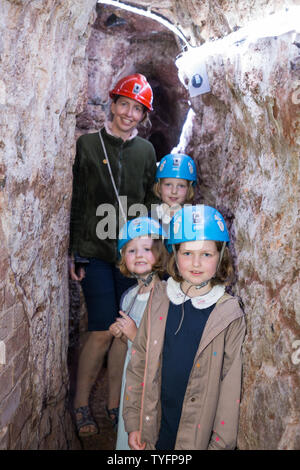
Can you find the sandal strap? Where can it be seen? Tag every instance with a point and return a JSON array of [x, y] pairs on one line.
[[86, 418], [113, 411], [113, 415]]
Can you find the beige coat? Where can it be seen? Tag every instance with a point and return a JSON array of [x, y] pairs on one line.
[[209, 418]]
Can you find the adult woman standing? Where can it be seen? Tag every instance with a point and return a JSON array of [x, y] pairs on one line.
[[112, 163]]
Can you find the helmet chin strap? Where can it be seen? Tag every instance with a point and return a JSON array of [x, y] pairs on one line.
[[146, 281], [202, 284], [197, 286]]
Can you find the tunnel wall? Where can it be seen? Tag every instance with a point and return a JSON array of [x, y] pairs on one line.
[[43, 68], [246, 144]]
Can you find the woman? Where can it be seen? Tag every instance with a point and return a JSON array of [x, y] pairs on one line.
[[111, 163]]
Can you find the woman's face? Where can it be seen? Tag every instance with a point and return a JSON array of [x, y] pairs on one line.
[[127, 114]]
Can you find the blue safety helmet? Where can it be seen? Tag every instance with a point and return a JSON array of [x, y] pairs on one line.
[[177, 165], [198, 222], [139, 227]]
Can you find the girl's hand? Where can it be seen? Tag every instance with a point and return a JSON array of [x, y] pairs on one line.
[[115, 330], [127, 326], [134, 441]]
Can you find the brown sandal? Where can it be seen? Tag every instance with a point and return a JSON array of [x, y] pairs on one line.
[[85, 420]]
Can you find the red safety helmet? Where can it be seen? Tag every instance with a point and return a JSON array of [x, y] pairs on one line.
[[135, 87]]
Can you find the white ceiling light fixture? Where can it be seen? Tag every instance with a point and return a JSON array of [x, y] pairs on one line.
[[191, 63]]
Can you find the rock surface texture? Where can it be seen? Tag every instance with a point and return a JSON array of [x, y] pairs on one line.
[[43, 66], [54, 67], [245, 144]]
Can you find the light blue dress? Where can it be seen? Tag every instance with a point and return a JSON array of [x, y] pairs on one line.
[[136, 313]]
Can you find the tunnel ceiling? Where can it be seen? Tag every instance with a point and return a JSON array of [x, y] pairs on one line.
[[123, 42], [211, 19]]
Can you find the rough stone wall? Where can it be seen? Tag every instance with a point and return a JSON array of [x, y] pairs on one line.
[[246, 144], [43, 67]]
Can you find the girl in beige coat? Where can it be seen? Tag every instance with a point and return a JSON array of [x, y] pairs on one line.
[[184, 377]]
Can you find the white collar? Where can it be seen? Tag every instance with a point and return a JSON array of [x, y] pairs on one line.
[[177, 297]]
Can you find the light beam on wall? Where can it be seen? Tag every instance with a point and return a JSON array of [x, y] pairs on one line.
[[186, 133], [148, 13]]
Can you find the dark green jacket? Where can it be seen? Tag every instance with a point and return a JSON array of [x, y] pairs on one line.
[[133, 165]]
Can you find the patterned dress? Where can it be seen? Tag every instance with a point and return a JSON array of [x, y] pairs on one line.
[[136, 313]]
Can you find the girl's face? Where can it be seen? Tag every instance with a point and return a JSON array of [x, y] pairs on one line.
[[127, 114], [197, 261], [173, 190], [139, 257]]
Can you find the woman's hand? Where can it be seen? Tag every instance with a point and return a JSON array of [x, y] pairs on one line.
[[73, 275], [127, 326], [134, 441]]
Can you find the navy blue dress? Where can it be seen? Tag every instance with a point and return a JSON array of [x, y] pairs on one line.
[[178, 357]]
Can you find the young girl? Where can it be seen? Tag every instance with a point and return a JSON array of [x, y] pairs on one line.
[[175, 178], [144, 258], [184, 378]]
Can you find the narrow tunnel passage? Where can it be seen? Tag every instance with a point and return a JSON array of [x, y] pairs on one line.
[[135, 45], [214, 144], [244, 141]]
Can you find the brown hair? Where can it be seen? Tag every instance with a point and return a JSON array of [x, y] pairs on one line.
[[224, 274], [189, 195], [161, 257]]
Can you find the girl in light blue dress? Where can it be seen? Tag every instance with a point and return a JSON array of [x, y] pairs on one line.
[[143, 256]]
